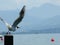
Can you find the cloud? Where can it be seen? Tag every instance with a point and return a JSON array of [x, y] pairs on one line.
[[36, 3], [8, 4]]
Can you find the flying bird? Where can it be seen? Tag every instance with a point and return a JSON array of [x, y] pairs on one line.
[[14, 26]]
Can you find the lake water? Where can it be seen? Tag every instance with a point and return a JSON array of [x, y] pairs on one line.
[[36, 39]]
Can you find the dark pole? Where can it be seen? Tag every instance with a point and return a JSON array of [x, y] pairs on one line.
[[8, 40]]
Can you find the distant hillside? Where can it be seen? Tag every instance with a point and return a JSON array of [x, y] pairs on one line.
[[45, 16]]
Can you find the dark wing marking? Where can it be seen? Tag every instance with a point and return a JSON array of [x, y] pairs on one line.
[[2, 20], [19, 19]]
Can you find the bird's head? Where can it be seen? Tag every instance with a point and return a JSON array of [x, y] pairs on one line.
[[18, 27]]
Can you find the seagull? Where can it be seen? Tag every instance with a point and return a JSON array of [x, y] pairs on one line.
[[14, 26]]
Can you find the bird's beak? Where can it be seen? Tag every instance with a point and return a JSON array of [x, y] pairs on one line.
[[18, 27]]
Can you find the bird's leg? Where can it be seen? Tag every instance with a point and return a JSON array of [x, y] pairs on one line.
[[8, 32]]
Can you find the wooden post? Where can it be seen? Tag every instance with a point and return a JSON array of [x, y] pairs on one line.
[[8, 40]]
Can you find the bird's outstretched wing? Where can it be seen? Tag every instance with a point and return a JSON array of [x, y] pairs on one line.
[[19, 19], [4, 21]]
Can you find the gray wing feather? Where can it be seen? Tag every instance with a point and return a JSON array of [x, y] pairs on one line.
[[19, 19]]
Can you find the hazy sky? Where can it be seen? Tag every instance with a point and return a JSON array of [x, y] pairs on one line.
[[13, 4]]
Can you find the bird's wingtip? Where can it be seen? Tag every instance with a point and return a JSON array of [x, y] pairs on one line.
[[24, 6], [1, 19]]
